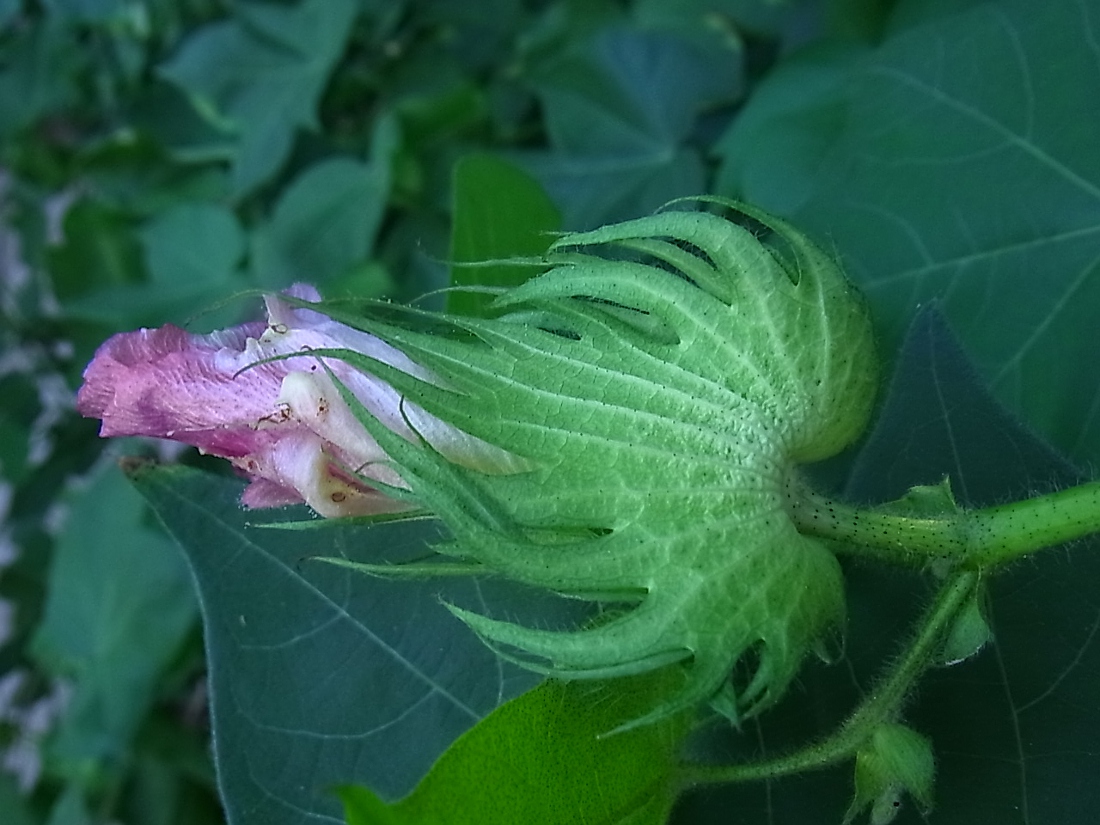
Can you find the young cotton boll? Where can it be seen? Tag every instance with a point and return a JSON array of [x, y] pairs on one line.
[[282, 423], [663, 378]]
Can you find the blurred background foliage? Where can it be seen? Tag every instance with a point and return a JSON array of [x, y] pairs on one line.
[[157, 156]]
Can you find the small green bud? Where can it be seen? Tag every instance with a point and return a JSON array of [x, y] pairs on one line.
[[968, 634], [896, 760]]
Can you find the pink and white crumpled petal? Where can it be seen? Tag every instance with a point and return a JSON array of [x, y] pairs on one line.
[[281, 423]]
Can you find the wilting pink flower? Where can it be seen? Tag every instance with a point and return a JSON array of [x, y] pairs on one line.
[[281, 423]]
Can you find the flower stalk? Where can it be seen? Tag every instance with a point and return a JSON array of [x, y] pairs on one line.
[[976, 539]]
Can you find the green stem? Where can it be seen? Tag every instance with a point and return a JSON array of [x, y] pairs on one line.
[[1010, 531], [974, 538], [882, 705]]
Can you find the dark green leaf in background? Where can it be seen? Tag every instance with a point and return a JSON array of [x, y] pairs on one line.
[[70, 808], [164, 112], [618, 117], [260, 75], [957, 162], [86, 11], [100, 251], [116, 271], [19, 407], [326, 219], [499, 212], [780, 140], [193, 246], [321, 676], [13, 804], [120, 603], [38, 68]]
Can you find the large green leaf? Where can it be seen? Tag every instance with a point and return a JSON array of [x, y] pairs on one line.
[[179, 263], [120, 603], [958, 162], [260, 75], [100, 251], [321, 676], [1014, 729], [543, 757]]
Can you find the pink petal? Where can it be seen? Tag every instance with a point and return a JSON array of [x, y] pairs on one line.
[[282, 423]]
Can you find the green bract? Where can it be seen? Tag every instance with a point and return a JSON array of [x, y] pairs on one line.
[[660, 380]]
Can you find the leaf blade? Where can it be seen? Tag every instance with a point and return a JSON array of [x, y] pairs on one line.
[[295, 650]]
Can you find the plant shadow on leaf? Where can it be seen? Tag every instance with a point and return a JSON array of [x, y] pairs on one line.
[[320, 676], [1015, 728]]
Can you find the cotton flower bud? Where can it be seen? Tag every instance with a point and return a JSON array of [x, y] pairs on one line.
[[624, 428], [661, 380], [283, 423]]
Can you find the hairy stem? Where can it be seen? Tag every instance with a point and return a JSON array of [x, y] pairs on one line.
[[973, 538], [880, 706], [1007, 532]]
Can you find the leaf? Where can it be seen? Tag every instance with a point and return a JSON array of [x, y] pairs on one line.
[[499, 212], [324, 223], [776, 148], [319, 676], [119, 606], [170, 780], [86, 11], [618, 117], [37, 73], [110, 270], [13, 805], [19, 408], [70, 808], [1013, 728], [540, 758], [100, 250], [176, 257], [260, 76], [963, 170]]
